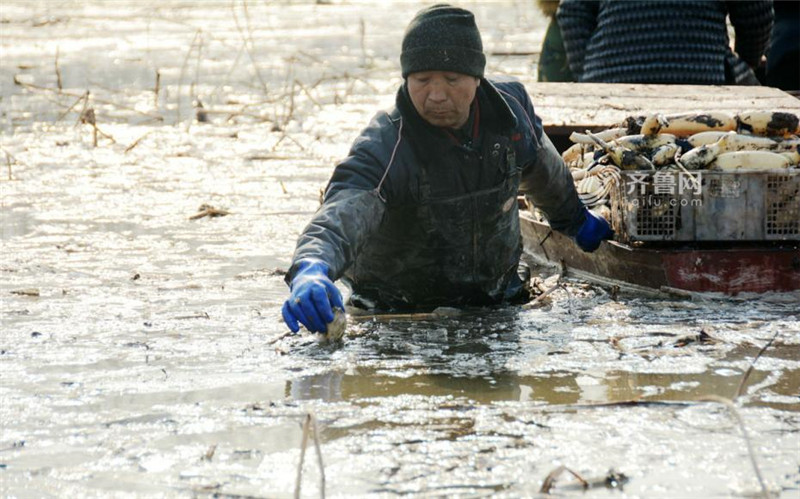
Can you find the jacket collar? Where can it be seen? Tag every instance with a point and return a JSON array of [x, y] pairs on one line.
[[430, 141]]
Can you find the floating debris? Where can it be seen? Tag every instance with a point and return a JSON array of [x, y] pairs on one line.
[[701, 338], [206, 210]]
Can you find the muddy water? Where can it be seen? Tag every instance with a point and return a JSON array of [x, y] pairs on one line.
[[142, 352]]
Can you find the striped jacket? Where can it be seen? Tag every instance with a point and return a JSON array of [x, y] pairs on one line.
[[669, 41]]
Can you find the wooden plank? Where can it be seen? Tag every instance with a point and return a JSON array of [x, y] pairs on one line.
[[602, 105]]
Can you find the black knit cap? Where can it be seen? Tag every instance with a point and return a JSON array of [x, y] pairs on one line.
[[443, 38]]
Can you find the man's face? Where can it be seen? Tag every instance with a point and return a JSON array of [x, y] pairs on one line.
[[442, 98]]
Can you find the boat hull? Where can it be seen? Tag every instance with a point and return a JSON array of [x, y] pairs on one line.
[[728, 269]]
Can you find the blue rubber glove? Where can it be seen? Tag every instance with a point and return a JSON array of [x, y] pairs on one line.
[[312, 299], [594, 230]]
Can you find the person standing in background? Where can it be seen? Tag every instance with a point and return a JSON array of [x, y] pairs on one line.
[[783, 58], [553, 64], [669, 41]]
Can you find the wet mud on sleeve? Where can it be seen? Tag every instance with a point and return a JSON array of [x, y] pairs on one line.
[[339, 229], [549, 184]]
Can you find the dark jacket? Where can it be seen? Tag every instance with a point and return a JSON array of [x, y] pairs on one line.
[[666, 41], [414, 218], [783, 59]]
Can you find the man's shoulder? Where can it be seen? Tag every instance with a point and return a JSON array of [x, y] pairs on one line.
[[384, 123], [504, 80], [512, 91], [379, 136], [516, 97], [387, 116], [508, 84]]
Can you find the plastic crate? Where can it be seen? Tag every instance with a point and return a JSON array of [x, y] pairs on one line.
[[707, 206]]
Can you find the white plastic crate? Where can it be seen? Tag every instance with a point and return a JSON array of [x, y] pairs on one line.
[[707, 206]]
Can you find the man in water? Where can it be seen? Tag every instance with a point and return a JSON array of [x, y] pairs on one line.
[[423, 211]]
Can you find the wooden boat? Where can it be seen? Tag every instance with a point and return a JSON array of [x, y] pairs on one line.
[[732, 233], [729, 268], [743, 236]]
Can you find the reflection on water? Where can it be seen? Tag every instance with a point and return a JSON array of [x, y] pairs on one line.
[[552, 388], [459, 358], [449, 402]]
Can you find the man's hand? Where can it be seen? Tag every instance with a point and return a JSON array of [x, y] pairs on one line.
[[312, 299], [593, 231]]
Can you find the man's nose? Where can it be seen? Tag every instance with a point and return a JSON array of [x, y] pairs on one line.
[[437, 93]]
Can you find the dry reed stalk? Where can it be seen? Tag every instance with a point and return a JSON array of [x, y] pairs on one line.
[[200, 113], [136, 142], [541, 297], [303, 444], [290, 112], [104, 134], [10, 158], [86, 97], [351, 85], [365, 316], [197, 64], [280, 139], [550, 479], [740, 390], [280, 337], [298, 144], [183, 72], [365, 82], [210, 453], [314, 58], [8, 164], [750, 451], [88, 117], [421, 316], [58, 72], [193, 86], [248, 38], [308, 93], [227, 79], [362, 38], [31, 86], [319, 456], [81, 98], [207, 210], [570, 309], [156, 89], [285, 135]]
